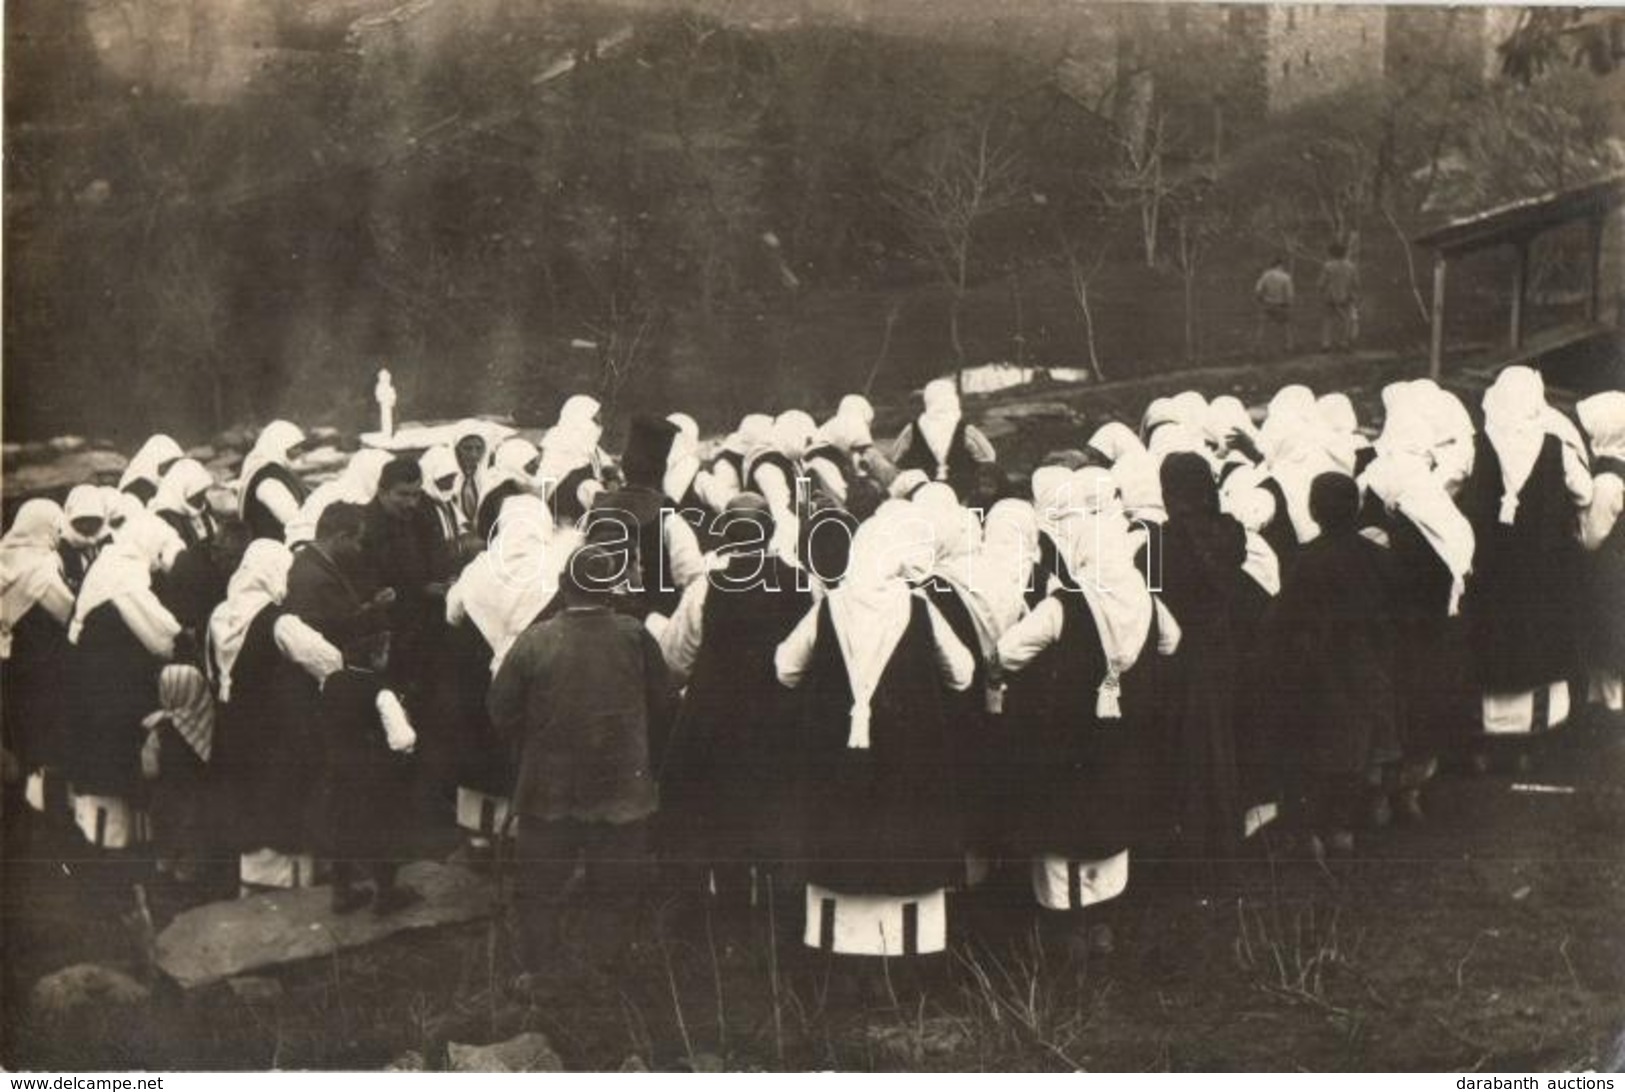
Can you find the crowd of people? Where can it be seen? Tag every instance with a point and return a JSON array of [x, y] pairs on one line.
[[796, 663]]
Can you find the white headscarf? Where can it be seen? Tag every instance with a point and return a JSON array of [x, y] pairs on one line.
[[261, 580], [84, 502], [956, 542], [1243, 497], [188, 478], [506, 587], [121, 507], [940, 418], [1227, 415], [1297, 459], [1288, 411], [1189, 408], [849, 428], [358, 484], [755, 430], [794, 432], [149, 458], [1114, 440], [1010, 551], [1515, 423], [439, 462], [1158, 413], [145, 545], [28, 563], [1099, 549], [1342, 428], [1177, 437], [870, 610], [1603, 418], [271, 448], [1138, 479], [1404, 482], [572, 443]]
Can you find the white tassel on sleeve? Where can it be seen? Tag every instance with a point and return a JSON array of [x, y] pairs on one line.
[[397, 727]]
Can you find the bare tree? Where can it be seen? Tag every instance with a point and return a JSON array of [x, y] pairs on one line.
[[1139, 180], [963, 179], [1198, 221]]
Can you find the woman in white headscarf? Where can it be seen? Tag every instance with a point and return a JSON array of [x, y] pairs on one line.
[[148, 467], [196, 582], [1242, 496], [511, 470], [941, 443], [1454, 448], [267, 666], [182, 501], [882, 829], [1229, 429], [1052, 488], [1603, 534], [957, 585], [1112, 441], [1430, 551], [1524, 602], [35, 605], [502, 593], [269, 494], [1082, 671], [440, 471], [356, 484], [84, 532], [1292, 407], [121, 635]]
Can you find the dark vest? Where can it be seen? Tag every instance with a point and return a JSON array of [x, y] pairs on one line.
[[959, 469], [634, 513], [258, 518]]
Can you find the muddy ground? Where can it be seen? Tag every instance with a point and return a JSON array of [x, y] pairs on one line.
[[1488, 938]]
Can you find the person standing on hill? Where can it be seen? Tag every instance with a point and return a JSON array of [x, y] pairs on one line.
[[1274, 293], [1340, 289]]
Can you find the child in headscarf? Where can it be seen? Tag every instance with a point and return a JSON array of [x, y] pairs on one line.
[[174, 758]]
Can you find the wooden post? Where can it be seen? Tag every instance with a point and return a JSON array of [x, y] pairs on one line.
[[1594, 302], [1436, 343], [1520, 285]]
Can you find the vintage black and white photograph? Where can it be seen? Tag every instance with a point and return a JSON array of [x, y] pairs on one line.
[[711, 536]]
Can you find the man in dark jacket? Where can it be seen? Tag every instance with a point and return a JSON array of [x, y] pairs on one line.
[[586, 698], [323, 583]]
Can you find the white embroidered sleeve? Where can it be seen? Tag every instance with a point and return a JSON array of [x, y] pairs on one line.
[[680, 644], [275, 496], [397, 725], [904, 441], [1030, 635], [687, 560], [1597, 519], [455, 611], [979, 446], [56, 598], [795, 652], [149, 621], [954, 661], [305, 648]]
